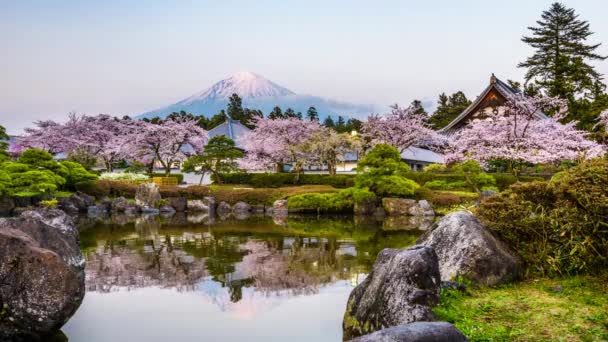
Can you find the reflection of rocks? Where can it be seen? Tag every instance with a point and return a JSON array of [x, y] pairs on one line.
[[279, 207], [223, 209], [401, 288], [416, 332], [147, 225], [407, 222], [41, 274], [200, 217]]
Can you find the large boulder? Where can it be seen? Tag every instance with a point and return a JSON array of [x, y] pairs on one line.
[[401, 288], [41, 272], [241, 210], [407, 207], [416, 332], [147, 195], [466, 248], [205, 205]]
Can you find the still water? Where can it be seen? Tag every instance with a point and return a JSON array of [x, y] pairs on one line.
[[195, 279]]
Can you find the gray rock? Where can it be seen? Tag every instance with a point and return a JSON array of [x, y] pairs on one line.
[[96, 210], [416, 332], [365, 207], [147, 195], [6, 205], [120, 204], [197, 206], [466, 248], [41, 272], [223, 209], [397, 206], [178, 203], [407, 207], [132, 209], [82, 201], [400, 289], [279, 207]]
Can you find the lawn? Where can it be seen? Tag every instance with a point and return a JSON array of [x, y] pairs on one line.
[[568, 309]]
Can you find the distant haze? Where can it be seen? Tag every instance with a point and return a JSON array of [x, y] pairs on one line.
[[132, 57]]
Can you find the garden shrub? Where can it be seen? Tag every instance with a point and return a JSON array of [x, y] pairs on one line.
[[342, 201], [383, 173], [275, 180], [6, 183], [560, 226], [423, 193], [76, 173]]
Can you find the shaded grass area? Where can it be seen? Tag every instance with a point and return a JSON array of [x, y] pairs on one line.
[[235, 193], [568, 309]]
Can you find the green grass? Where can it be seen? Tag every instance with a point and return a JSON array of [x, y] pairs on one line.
[[531, 311], [60, 194]]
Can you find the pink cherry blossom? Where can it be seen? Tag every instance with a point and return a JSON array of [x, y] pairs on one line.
[[517, 134]]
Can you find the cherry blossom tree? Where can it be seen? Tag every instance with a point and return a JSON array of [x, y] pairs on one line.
[[326, 147], [168, 142], [402, 128], [48, 135], [517, 135], [275, 142]]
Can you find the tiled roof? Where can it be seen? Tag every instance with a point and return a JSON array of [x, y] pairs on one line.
[[232, 129]]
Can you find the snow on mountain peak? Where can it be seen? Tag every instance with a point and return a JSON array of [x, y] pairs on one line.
[[246, 84]]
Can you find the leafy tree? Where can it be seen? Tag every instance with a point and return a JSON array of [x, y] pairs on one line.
[[312, 114], [3, 144], [219, 157], [559, 65], [329, 122], [382, 172], [448, 108], [276, 113]]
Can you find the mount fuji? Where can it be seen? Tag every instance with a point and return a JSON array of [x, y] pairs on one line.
[[258, 93]]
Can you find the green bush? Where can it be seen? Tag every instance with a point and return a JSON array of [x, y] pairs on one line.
[[6, 183], [76, 173], [558, 227], [383, 173], [342, 201], [275, 180], [440, 184]]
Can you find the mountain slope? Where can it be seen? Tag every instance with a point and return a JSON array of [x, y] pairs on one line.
[[258, 93]]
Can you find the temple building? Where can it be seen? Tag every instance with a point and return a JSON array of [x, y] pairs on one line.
[[489, 101]]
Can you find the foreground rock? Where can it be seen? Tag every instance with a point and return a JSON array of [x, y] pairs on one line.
[[407, 207], [41, 272], [147, 195], [416, 332], [401, 288], [466, 248]]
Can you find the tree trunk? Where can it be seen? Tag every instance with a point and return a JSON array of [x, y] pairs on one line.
[[279, 168]]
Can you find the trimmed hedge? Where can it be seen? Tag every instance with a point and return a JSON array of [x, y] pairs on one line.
[[275, 180], [179, 176]]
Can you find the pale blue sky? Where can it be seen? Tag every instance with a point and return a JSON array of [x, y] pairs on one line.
[[127, 57]]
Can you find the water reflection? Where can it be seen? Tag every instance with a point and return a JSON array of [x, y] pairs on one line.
[[239, 269]]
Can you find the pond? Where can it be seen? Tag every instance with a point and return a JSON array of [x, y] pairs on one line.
[[193, 279]]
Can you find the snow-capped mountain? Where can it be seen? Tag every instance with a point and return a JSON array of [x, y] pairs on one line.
[[258, 93]]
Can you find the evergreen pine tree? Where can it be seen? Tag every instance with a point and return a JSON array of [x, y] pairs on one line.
[[3, 144], [448, 108], [559, 65], [276, 113], [312, 114], [329, 122], [290, 113], [417, 107], [235, 108]]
